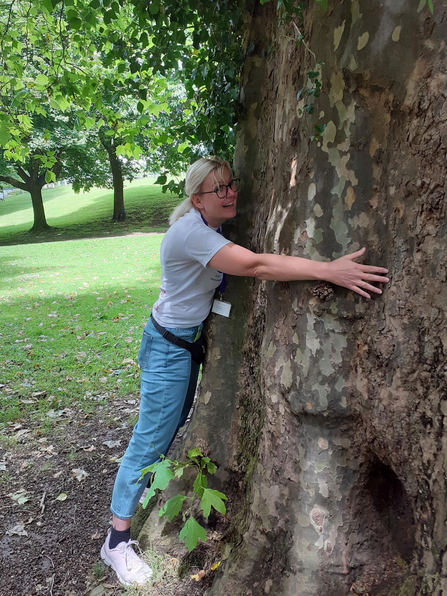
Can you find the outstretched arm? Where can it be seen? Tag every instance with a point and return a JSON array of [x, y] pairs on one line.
[[236, 260]]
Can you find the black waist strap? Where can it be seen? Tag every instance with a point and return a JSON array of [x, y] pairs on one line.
[[196, 349]]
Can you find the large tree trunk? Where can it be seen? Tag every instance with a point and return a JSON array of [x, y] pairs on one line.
[[119, 213], [325, 411], [40, 221]]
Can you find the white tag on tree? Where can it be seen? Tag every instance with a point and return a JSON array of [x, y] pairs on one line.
[[220, 307]]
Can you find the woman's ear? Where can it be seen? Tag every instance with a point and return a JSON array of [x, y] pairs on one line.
[[195, 200]]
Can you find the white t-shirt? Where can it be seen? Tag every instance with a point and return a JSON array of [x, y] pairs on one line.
[[187, 285]]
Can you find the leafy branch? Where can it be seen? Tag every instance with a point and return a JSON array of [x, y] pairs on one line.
[[165, 470]]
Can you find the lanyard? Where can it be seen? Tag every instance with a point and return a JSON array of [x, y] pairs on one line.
[[223, 283]]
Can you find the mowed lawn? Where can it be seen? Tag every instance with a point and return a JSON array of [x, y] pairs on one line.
[[87, 214], [72, 312]]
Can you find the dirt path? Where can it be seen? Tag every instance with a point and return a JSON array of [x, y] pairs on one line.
[[56, 479]]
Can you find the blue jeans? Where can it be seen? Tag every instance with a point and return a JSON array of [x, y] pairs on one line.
[[168, 383]]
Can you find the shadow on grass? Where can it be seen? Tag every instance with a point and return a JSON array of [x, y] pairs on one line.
[[149, 217], [11, 268]]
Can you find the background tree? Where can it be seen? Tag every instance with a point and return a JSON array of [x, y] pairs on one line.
[[56, 149]]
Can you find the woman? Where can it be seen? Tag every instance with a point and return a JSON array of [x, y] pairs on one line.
[[194, 256]]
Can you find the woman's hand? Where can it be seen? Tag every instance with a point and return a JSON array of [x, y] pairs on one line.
[[355, 276]]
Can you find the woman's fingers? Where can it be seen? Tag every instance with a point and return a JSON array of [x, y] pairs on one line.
[[377, 278], [369, 287], [372, 269], [361, 292], [356, 254]]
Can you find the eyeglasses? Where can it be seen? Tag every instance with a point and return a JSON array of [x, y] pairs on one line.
[[222, 190]]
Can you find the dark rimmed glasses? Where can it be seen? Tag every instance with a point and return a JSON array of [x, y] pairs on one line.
[[222, 190]]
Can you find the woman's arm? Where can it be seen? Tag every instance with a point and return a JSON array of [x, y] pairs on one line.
[[236, 260]]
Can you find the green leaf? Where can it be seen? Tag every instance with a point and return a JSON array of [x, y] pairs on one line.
[[172, 507], [430, 6], [4, 137], [212, 498], [195, 453], [161, 179], [154, 8], [75, 23], [50, 176], [161, 476], [211, 467], [192, 532], [41, 79], [89, 122], [323, 4], [422, 3], [199, 484]]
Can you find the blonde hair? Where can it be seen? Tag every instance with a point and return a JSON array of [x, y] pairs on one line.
[[195, 175]]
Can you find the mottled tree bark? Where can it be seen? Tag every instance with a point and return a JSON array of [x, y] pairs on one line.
[[325, 411]]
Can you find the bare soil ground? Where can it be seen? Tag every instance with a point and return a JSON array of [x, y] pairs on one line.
[[56, 482]]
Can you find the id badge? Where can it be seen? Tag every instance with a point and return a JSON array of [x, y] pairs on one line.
[[220, 307]]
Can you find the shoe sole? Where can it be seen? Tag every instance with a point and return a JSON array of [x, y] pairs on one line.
[[109, 563]]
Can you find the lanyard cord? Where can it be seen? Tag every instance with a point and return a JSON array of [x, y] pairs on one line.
[[223, 283]]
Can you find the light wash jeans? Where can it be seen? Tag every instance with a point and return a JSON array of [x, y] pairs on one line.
[[168, 383]]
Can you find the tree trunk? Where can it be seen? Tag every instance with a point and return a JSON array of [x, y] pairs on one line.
[[325, 411], [119, 213], [40, 222]]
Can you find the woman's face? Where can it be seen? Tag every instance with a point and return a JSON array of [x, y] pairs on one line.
[[216, 210]]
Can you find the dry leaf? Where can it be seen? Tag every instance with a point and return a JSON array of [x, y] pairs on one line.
[[96, 535], [215, 566], [79, 474], [112, 444], [89, 449], [18, 530], [20, 497]]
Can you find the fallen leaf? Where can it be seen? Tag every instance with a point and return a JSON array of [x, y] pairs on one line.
[[215, 566], [61, 497], [21, 432], [89, 449], [96, 535], [18, 530], [196, 577], [58, 474], [2, 466], [79, 474], [20, 497], [112, 444]]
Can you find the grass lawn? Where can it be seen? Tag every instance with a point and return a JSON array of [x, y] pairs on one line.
[[87, 214], [73, 311], [72, 316]]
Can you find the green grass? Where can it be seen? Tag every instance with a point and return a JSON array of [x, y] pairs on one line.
[[86, 214], [72, 316], [73, 311]]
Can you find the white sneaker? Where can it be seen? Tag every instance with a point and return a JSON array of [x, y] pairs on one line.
[[128, 566]]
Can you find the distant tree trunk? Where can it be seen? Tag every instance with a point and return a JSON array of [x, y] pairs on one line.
[[32, 183], [326, 412], [119, 213], [40, 221]]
